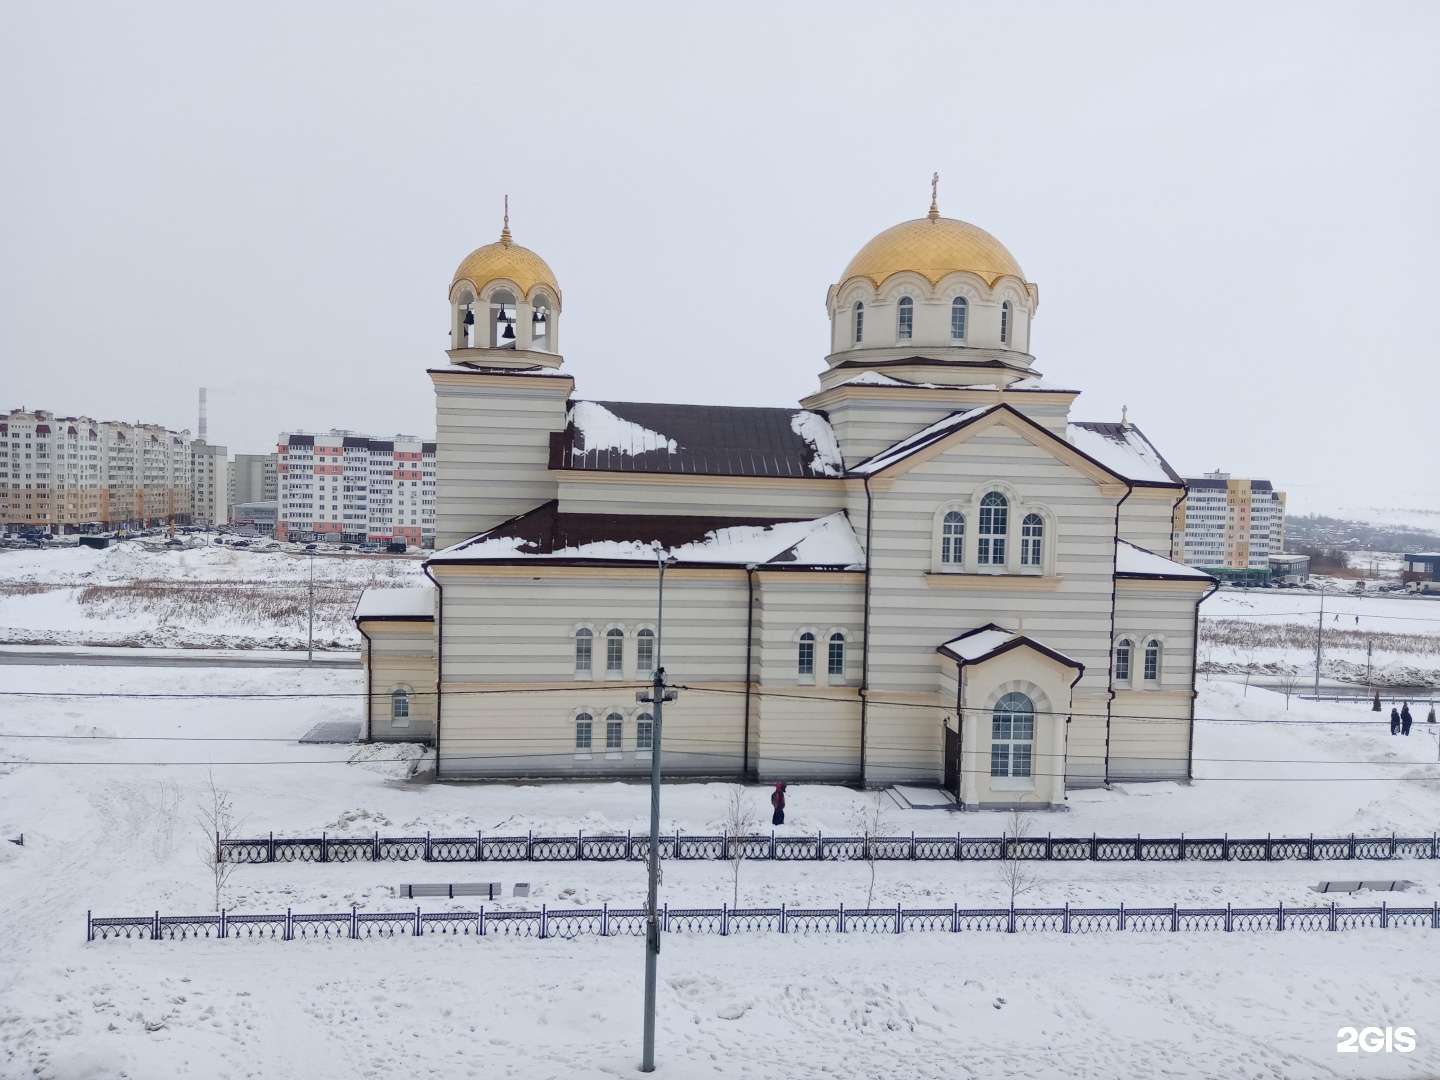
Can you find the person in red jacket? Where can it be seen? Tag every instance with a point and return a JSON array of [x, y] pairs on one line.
[[777, 800]]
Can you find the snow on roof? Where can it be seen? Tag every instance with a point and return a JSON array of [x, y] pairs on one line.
[[922, 438], [974, 645], [987, 641], [1133, 560], [1124, 450], [828, 541], [396, 604], [815, 430], [875, 378], [601, 429]]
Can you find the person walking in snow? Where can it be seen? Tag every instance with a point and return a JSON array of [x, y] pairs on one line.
[[777, 800], [1405, 719], [1394, 720]]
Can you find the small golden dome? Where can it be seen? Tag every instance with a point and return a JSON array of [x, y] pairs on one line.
[[508, 260], [933, 246]]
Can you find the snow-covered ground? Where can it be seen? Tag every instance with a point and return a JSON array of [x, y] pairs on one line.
[[136, 593], [107, 828], [1274, 630]]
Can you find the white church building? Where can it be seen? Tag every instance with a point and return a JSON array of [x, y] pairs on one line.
[[927, 573]]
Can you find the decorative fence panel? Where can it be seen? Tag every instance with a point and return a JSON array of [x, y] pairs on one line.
[[782, 848], [724, 920]]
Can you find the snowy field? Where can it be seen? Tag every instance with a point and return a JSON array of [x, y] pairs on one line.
[[136, 593], [1274, 630], [109, 828]]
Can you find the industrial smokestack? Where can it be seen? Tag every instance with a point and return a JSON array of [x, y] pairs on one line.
[[202, 414]]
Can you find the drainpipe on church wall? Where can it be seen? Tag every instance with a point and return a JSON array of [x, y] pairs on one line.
[[439, 656], [749, 655], [1110, 648], [865, 632]]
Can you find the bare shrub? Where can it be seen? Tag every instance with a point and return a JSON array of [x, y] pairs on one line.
[[217, 821], [871, 821], [740, 821], [1288, 683], [1248, 634], [1017, 875]]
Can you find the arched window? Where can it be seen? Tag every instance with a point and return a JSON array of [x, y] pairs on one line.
[[644, 731], [859, 322], [837, 654], [614, 731], [399, 706], [952, 537], [645, 652], [905, 326], [1005, 322], [614, 651], [994, 523], [958, 310], [583, 723], [1032, 532], [1012, 736], [1152, 661], [1122, 660], [584, 641], [806, 659]]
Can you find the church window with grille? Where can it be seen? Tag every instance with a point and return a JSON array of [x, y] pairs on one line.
[[1012, 736], [952, 537], [905, 328], [994, 524], [959, 308]]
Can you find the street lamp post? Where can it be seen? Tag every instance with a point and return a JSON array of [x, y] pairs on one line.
[[310, 642], [1319, 639], [658, 695]]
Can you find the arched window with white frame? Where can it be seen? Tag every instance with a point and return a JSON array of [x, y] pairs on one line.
[[1032, 536], [1005, 323], [614, 652], [994, 526], [614, 732], [1012, 736], [584, 730], [858, 315], [1152, 661], [959, 309], [805, 656], [905, 319], [584, 646], [1123, 649], [952, 538], [645, 652], [400, 708], [644, 732], [835, 665]]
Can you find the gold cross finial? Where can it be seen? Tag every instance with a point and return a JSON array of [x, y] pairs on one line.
[[934, 195], [505, 232], [1125, 416]]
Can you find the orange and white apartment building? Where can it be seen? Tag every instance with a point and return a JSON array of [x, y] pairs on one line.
[[352, 488]]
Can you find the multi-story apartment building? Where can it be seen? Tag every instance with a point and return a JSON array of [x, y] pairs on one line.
[[1228, 524], [254, 478], [71, 473], [353, 488], [212, 483]]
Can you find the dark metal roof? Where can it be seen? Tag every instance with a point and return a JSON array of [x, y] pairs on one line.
[[546, 530], [1205, 484], [710, 440]]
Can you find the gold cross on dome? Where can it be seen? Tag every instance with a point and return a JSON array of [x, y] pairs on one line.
[[934, 195]]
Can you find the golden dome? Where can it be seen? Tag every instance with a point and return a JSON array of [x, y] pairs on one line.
[[508, 260], [933, 246]]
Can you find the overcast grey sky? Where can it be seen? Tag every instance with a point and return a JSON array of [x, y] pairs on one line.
[[1230, 209]]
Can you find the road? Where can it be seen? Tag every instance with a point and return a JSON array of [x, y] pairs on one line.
[[164, 658]]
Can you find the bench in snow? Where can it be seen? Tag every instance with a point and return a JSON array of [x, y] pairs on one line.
[[491, 890]]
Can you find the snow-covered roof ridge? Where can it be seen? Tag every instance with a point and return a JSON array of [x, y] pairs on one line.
[[380, 603], [1124, 450], [990, 640], [1132, 560], [921, 439], [816, 430], [548, 535]]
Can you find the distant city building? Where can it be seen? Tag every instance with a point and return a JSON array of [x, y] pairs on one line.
[[1421, 571], [1229, 525], [212, 483], [254, 478], [259, 516], [74, 474], [354, 488], [1290, 569]]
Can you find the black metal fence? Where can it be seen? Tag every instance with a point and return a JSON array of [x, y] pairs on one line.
[[779, 848], [724, 920]]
